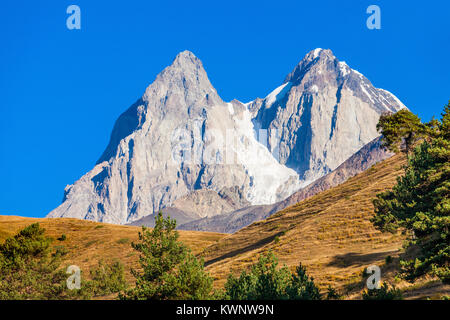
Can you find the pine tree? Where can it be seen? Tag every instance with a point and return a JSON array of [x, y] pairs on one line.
[[302, 286], [400, 130], [169, 270], [384, 293], [29, 269], [266, 281], [420, 201]]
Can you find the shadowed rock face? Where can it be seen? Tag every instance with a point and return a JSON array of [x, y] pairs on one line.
[[165, 151], [179, 215], [198, 204]]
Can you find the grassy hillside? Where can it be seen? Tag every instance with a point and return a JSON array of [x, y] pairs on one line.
[[330, 233], [88, 242]]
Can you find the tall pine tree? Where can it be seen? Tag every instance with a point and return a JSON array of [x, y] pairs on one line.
[[169, 270], [420, 201]]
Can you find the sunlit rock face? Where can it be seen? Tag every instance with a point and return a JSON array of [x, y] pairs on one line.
[[180, 137], [323, 113]]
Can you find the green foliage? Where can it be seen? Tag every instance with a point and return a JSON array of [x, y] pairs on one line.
[[62, 238], [388, 260], [400, 130], [123, 241], [266, 281], [332, 293], [29, 268], [384, 293], [420, 202], [105, 279], [168, 268]]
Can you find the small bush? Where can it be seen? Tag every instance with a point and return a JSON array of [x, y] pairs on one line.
[[30, 268], [388, 260], [384, 293], [123, 241], [61, 250], [105, 279], [62, 238], [90, 243], [332, 293], [266, 281]]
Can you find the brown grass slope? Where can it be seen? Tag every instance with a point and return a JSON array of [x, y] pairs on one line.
[[89, 242], [330, 233]]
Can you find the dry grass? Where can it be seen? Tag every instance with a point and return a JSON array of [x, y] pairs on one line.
[[329, 233], [88, 242]]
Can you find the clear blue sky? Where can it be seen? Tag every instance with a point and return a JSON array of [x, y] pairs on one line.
[[61, 90]]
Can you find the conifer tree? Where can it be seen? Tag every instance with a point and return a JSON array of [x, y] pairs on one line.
[[28, 267], [266, 281], [420, 201], [168, 269]]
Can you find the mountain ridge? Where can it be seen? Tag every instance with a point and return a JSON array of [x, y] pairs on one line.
[[169, 143]]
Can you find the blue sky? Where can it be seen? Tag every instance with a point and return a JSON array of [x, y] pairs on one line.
[[61, 90]]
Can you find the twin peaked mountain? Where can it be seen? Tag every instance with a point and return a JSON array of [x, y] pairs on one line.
[[182, 149]]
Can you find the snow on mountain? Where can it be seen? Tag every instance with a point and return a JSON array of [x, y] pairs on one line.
[[181, 137], [326, 112]]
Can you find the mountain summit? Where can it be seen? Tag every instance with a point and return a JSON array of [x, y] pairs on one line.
[[180, 143], [323, 113]]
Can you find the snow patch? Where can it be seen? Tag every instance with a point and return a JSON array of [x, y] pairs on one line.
[[402, 106], [358, 73], [248, 103], [267, 175], [230, 108], [316, 52], [366, 93], [344, 68], [277, 94]]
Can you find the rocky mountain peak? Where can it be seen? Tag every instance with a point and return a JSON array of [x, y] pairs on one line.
[[319, 54], [313, 60], [170, 143], [185, 58], [185, 66], [325, 107], [185, 82]]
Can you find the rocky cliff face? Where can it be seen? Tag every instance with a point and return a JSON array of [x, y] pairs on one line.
[[181, 145], [322, 114]]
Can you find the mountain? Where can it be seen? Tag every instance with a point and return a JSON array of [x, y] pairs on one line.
[[362, 160], [322, 114], [180, 142]]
